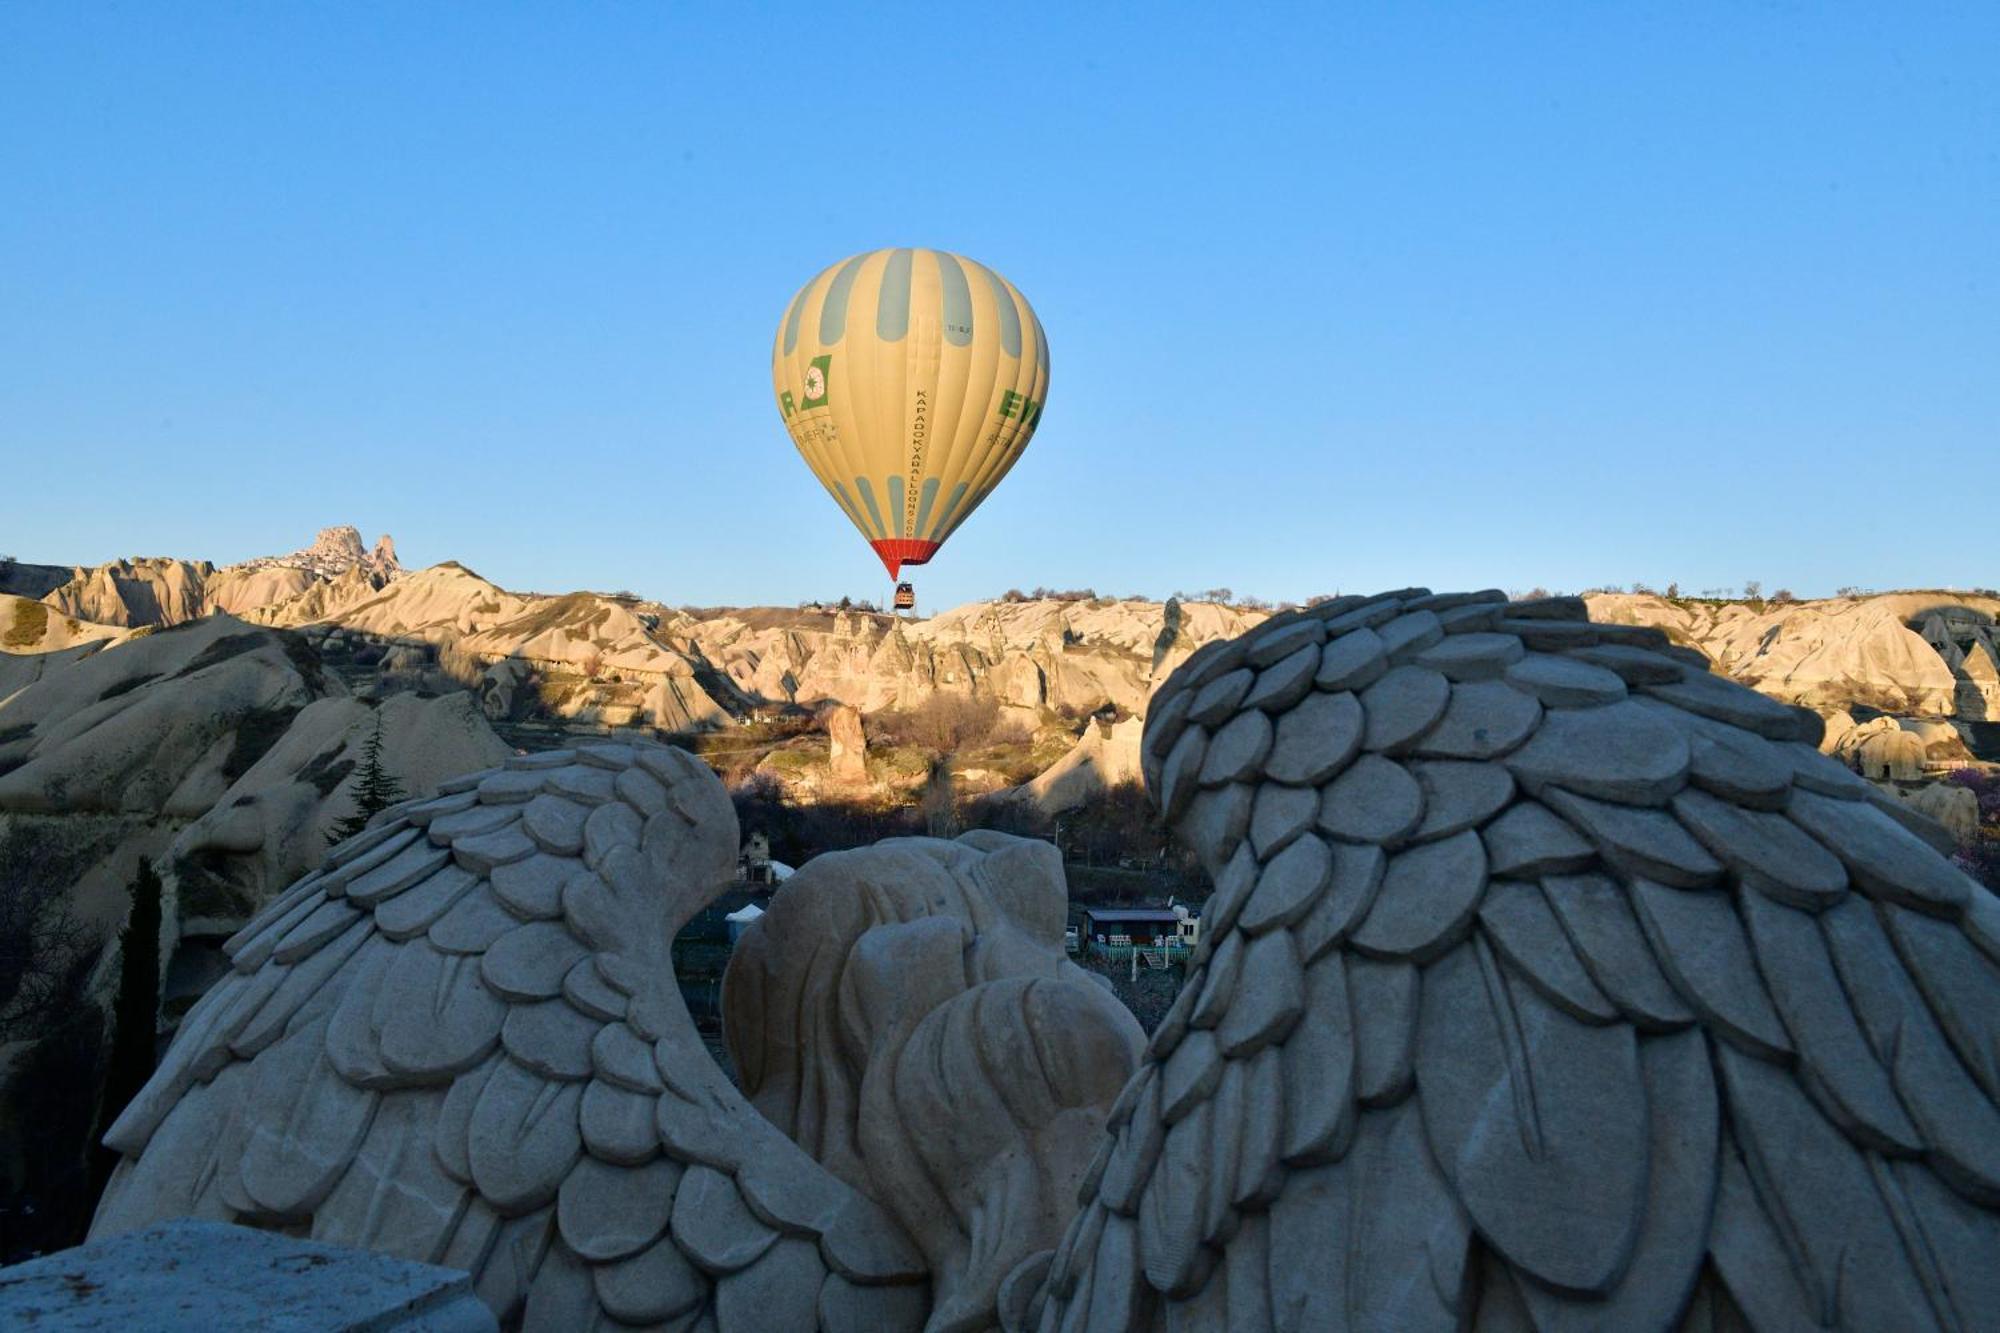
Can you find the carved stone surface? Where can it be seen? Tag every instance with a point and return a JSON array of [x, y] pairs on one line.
[[446, 1071], [889, 983], [1606, 967]]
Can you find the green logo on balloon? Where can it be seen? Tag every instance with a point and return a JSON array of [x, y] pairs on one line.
[[815, 385]]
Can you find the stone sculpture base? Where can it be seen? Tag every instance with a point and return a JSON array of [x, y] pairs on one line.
[[209, 1275]]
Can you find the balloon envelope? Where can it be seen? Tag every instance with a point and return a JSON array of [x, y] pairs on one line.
[[910, 380]]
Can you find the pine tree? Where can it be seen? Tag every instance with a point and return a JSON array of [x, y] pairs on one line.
[[374, 789]]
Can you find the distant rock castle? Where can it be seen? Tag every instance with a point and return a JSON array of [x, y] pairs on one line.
[[335, 551]]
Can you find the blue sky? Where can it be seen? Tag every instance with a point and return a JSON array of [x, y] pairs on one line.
[[1338, 298]]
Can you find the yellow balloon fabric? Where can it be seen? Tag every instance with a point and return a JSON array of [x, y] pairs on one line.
[[910, 380]]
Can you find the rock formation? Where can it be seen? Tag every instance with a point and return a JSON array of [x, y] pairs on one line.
[[30, 627], [155, 591], [1955, 808], [334, 552], [104, 760], [1880, 749], [135, 592], [1893, 749], [271, 825], [219, 749], [1898, 653], [1549, 981], [1105, 755], [615, 661], [1074, 657], [846, 747], [1978, 671], [590, 657], [1911, 654], [461, 1040], [36, 639]]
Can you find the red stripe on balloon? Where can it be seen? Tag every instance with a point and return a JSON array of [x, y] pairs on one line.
[[896, 552]]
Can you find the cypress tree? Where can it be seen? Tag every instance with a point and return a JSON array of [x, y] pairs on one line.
[[135, 1018], [375, 789]]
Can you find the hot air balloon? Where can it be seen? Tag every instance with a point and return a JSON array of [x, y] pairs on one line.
[[910, 380]]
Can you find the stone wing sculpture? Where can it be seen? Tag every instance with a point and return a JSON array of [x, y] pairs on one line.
[[907, 1013], [1549, 982], [462, 1041]]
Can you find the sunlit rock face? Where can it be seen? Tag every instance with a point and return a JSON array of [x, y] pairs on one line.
[[154, 591], [1927, 654]]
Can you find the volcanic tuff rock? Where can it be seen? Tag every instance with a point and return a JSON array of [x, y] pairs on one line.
[[335, 551], [150, 592], [161, 591], [271, 825], [432, 605], [614, 661], [597, 658], [1878, 748], [1930, 654], [1105, 755], [227, 742], [847, 746], [695, 670], [1953, 806], [1841, 651], [144, 591], [35, 639], [152, 727], [1068, 656]]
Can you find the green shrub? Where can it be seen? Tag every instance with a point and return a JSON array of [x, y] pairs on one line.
[[31, 621]]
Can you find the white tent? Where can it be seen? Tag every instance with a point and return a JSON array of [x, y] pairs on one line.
[[741, 919]]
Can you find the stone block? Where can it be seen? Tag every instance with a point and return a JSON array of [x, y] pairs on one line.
[[194, 1275]]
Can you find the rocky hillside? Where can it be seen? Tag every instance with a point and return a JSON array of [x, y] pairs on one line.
[[1922, 653], [1909, 682], [613, 661], [36, 639], [588, 660], [159, 590], [33, 581], [204, 739], [1069, 656]]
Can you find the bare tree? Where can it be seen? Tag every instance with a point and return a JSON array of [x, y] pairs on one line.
[[941, 725], [42, 940]]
